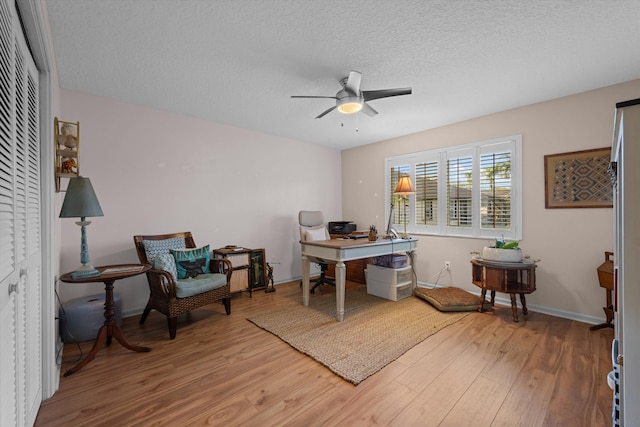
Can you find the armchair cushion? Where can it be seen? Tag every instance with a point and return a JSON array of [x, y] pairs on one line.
[[312, 234], [191, 262], [167, 263], [153, 248], [201, 283]]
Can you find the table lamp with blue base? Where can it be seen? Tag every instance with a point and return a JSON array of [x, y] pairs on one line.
[[80, 201]]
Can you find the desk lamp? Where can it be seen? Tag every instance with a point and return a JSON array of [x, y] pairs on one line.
[[404, 189], [81, 201]]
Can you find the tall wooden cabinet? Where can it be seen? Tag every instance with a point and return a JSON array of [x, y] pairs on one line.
[[625, 157]]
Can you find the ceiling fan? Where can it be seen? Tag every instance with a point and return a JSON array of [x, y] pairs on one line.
[[350, 99]]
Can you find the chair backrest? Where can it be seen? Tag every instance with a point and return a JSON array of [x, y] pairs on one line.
[[139, 242], [312, 221]]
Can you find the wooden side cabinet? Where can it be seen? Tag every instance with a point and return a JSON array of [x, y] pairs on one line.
[[513, 278], [249, 267], [240, 261]]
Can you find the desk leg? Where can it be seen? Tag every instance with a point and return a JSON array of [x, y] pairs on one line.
[[341, 270], [306, 268]]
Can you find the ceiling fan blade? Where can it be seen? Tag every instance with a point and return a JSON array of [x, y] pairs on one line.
[[311, 96], [353, 82], [324, 113], [368, 110], [369, 95]]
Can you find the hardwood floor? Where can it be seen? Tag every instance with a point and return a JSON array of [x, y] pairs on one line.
[[484, 370]]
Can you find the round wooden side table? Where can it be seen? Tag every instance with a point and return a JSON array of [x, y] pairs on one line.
[[108, 275]]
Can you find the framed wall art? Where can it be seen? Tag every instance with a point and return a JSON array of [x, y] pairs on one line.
[[257, 276], [578, 179]]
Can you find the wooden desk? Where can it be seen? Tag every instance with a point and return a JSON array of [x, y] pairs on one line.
[[347, 250], [514, 278], [110, 328], [355, 268]]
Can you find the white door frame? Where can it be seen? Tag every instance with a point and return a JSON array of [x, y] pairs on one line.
[[35, 21]]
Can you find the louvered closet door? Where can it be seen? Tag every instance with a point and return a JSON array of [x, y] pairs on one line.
[[20, 239]]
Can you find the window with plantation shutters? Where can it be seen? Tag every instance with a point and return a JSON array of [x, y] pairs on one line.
[[495, 190], [426, 184], [470, 190], [459, 191]]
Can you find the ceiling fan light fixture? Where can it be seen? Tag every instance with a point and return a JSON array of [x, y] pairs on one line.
[[349, 105]]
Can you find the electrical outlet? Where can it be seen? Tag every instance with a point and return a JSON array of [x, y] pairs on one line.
[[447, 265]]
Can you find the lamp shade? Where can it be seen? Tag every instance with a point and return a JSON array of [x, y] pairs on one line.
[[405, 186], [80, 200]]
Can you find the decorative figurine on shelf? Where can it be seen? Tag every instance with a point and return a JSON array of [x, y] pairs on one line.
[[68, 138], [269, 279], [67, 129], [68, 165], [70, 142]]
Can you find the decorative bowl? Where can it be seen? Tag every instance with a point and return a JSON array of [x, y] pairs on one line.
[[502, 255]]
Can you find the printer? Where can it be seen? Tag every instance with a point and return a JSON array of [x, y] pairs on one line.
[[341, 227]]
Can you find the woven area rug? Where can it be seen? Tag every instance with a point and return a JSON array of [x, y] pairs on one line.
[[374, 333]]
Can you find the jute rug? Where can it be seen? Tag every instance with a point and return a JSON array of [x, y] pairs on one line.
[[374, 332]]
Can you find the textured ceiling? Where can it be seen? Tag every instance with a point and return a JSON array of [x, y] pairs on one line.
[[237, 62]]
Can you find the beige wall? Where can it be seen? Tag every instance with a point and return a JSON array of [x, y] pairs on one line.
[[156, 172], [569, 242]]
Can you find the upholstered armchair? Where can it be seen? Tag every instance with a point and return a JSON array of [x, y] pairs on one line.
[[182, 277]]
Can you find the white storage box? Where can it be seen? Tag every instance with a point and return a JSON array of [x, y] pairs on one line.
[[387, 291], [391, 276]]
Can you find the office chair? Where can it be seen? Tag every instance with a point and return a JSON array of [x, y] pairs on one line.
[[312, 228]]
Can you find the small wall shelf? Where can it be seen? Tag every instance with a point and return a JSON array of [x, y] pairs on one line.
[[66, 143]]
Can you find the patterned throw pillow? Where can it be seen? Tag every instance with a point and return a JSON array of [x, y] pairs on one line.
[[191, 262], [155, 247], [167, 263]]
